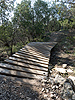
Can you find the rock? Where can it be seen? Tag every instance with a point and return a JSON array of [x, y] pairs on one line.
[[52, 76], [28, 98], [51, 95], [72, 78], [43, 84], [43, 89], [73, 96], [71, 83], [51, 80], [20, 93], [45, 95], [59, 98], [48, 99], [50, 67], [50, 71], [55, 95], [35, 99], [43, 80], [66, 91], [51, 92], [69, 71], [56, 66], [59, 79], [47, 90], [54, 87], [68, 86], [57, 87], [22, 96], [56, 82], [64, 65], [61, 70]]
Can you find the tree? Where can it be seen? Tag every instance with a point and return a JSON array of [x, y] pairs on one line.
[[6, 27], [7, 35], [6, 6], [66, 13], [23, 18], [41, 16], [42, 12], [54, 25]]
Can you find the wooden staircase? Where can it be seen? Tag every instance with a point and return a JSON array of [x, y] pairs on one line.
[[30, 62]]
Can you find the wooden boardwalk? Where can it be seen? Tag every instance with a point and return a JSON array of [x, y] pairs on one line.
[[30, 62]]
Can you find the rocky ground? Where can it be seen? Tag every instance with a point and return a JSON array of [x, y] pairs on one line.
[[61, 82], [59, 86]]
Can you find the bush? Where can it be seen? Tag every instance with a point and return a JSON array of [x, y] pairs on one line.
[[54, 25]]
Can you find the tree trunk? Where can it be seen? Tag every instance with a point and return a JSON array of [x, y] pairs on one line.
[[11, 51]]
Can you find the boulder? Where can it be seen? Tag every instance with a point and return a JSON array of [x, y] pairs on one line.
[[61, 70], [59, 79], [69, 71], [72, 78], [67, 91], [64, 65], [73, 96]]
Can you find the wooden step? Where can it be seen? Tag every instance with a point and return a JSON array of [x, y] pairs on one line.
[[42, 43], [14, 73], [42, 48], [29, 59], [39, 49], [26, 61], [30, 62], [31, 54], [26, 65], [36, 54], [39, 46], [45, 45], [23, 69], [40, 53]]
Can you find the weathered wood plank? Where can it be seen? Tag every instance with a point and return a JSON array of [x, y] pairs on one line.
[[29, 59], [23, 69], [19, 74], [26, 65], [42, 48], [45, 56], [31, 54], [30, 62], [26, 61], [35, 51]]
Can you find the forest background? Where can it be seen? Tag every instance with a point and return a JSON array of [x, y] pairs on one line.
[[32, 23]]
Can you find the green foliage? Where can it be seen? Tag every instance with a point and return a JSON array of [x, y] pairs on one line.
[[41, 11], [39, 29], [68, 24], [23, 18], [6, 6], [31, 24], [6, 33], [54, 25]]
